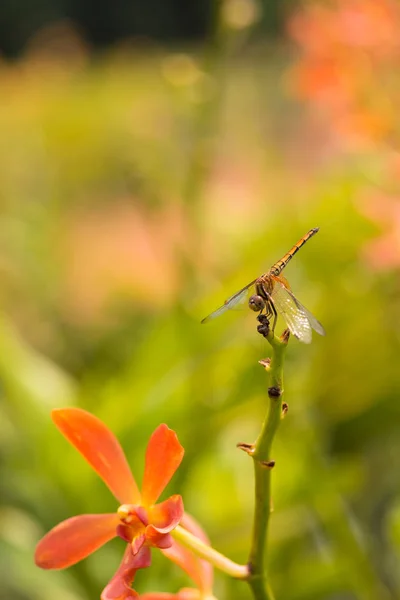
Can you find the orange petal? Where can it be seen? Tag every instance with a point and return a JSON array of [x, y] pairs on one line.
[[183, 594], [189, 594], [158, 596], [163, 518], [199, 570], [163, 456], [160, 540], [99, 446], [119, 588], [166, 515], [143, 559], [74, 539], [137, 543]]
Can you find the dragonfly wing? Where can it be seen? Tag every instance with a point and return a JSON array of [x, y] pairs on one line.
[[231, 303], [298, 319], [315, 324]]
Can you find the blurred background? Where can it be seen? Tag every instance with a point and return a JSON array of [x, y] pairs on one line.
[[155, 157]]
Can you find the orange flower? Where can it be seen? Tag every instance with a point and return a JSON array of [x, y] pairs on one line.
[[199, 570], [139, 520]]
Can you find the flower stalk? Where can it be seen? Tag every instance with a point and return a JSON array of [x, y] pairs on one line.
[[218, 560]]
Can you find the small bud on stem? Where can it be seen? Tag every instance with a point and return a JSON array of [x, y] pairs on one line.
[[268, 464], [266, 363], [248, 448]]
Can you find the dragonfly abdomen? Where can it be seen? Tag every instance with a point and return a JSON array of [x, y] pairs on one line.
[[281, 264]]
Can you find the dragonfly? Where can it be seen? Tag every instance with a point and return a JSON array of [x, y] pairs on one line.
[[271, 295]]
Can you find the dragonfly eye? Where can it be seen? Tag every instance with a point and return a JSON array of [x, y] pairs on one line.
[[256, 303]]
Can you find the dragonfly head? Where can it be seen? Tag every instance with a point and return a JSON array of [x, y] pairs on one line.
[[256, 303]]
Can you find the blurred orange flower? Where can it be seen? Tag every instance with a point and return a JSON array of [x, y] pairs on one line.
[[383, 252], [139, 520], [350, 55]]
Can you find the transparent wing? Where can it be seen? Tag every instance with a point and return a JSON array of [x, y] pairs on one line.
[[315, 324], [231, 303], [298, 319]]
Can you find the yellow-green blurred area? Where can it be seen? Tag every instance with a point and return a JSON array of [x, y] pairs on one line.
[[138, 189]]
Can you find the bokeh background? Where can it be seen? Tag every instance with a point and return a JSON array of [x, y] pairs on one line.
[[154, 157]]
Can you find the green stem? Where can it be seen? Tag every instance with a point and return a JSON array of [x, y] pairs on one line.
[[208, 553], [261, 453], [255, 572]]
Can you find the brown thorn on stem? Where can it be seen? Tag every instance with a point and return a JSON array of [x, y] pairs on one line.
[[268, 464], [285, 408], [248, 448], [266, 363], [274, 392], [285, 336]]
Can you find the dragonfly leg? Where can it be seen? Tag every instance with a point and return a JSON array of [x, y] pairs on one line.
[[272, 311]]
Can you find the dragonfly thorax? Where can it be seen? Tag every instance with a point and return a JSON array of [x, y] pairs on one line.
[[264, 285]]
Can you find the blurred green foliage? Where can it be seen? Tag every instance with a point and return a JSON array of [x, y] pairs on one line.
[[137, 192]]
